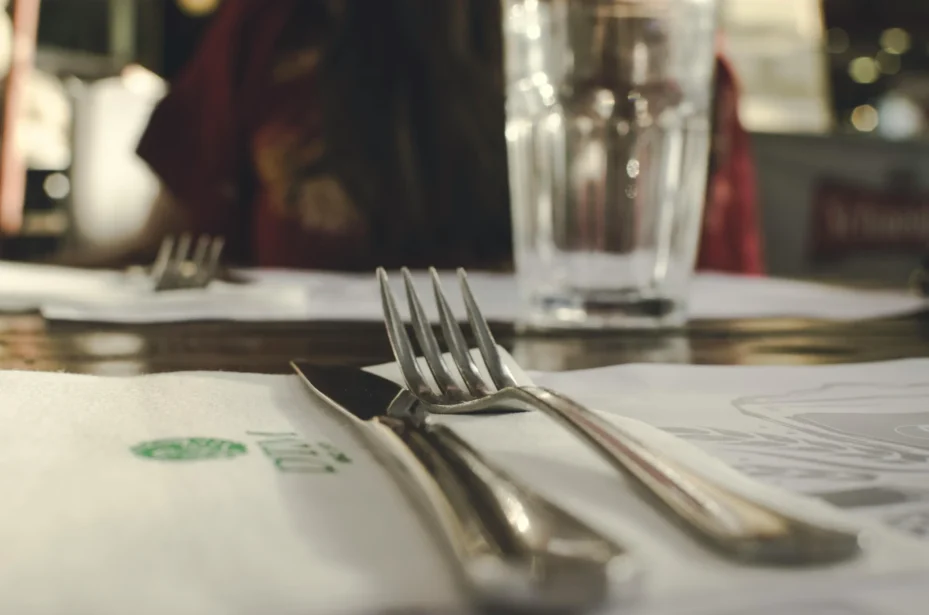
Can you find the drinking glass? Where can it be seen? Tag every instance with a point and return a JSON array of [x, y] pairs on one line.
[[608, 132]]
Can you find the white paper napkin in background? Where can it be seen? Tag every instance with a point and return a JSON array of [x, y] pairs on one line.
[[25, 286], [724, 296], [220, 301], [233, 493], [299, 295], [712, 296], [64, 293]]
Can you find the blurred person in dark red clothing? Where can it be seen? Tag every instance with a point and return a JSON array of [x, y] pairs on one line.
[[731, 238], [346, 135]]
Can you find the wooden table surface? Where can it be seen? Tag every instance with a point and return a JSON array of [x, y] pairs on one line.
[[29, 342]]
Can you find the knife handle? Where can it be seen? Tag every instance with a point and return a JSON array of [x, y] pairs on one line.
[[504, 533], [727, 520]]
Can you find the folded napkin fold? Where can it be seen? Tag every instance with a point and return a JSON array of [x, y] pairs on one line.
[[234, 493]]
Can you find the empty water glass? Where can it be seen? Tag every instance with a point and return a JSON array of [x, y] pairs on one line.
[[608, 129]]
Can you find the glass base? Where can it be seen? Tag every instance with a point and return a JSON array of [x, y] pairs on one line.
[[602, 310]]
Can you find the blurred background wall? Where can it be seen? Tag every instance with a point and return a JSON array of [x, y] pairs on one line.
[[836, 96], [837, 99]]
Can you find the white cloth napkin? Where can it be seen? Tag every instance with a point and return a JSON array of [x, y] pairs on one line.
[[278, 295], [233, 493]]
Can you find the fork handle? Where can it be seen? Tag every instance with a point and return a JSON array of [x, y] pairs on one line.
[[736, 525]]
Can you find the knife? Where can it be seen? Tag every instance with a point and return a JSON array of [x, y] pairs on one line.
[[510, 547]]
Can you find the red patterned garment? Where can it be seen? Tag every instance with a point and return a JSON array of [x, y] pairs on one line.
[[731, 238], [238, 142]]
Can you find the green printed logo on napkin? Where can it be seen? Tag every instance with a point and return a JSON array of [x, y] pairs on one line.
[[188, 449], [293, 455]]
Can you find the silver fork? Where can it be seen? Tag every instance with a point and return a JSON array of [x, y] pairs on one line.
[[732, 523], [176, 267]]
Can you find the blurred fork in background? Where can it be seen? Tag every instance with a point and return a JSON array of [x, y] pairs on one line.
[[178, 267]]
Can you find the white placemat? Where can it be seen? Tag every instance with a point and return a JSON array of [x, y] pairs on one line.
[[233, 493], [297, 295]]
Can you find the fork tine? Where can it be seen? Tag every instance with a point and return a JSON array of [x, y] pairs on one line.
[[456, 341], [499, 372], [400, 342], [429, 344], [212, 263], [200, 252], [198, 260], [160, 265], [183, 249]]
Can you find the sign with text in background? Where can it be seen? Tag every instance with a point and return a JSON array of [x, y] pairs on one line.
[[800, 177], [848, 218]]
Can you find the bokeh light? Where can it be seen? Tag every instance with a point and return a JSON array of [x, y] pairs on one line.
[[896, 40], [864, 70], [57, 186], [197, 8], [865, 118], [900, 117]]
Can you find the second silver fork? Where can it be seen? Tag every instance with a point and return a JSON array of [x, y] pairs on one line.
[[176, 267], [725, 519]]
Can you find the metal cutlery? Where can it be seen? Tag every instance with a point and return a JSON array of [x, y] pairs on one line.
[[177, 267], [513, 548], [731, 522]]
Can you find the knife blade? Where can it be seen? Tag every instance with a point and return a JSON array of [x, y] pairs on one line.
[[511, 546]]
